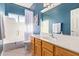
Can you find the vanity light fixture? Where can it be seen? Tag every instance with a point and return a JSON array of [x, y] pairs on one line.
[[48, 6]]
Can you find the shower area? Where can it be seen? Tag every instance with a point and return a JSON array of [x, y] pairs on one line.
[[18, 29]]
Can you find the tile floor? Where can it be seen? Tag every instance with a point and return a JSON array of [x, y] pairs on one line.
[[19, 49], [17, 52]]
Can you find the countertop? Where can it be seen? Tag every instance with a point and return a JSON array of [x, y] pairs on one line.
[[64, 41]]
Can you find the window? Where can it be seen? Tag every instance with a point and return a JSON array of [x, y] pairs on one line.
[[15, 16]]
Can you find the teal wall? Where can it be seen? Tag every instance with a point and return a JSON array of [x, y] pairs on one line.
[[13, 8], [61, 14], [37, 7], [2, 8]]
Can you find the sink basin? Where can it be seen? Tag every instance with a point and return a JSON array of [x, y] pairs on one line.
[[50, 38]]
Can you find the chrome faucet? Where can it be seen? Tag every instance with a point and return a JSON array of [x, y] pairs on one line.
[[52, 35]]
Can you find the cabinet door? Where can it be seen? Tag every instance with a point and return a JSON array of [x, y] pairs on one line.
[[32, 46], [33, 49], [46, 52], [37, 50], [32, 40], [47, 46], [37, 47], [63, 52]]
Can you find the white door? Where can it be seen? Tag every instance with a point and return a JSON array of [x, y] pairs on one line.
[[11, 32], [21, 27], [75, 22]]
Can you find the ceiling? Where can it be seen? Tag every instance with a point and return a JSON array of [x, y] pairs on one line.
[[27, 5]]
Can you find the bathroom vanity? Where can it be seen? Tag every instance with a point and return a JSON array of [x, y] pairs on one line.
[[59, 45]]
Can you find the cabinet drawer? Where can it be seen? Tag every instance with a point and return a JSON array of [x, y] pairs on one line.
[[45, 52], [32, 40], [37, 41], [47, 46], [38, 50]]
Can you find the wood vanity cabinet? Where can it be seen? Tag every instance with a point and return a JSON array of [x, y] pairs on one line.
[[38, 47], [47, 49], [63, 52], [43, 48], [33, 46]]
